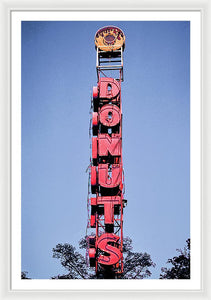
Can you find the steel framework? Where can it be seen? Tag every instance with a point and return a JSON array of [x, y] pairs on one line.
[[106, 177]]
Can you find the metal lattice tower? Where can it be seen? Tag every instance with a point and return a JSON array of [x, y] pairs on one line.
[[106, 193]]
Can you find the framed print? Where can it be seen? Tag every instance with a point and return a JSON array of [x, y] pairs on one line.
[[52, 73]]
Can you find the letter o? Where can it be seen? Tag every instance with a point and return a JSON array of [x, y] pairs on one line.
[[109, 115]]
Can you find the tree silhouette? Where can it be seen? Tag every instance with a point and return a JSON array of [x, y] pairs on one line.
[[24, 275], [181, 265], [136, 264], [72, 261]]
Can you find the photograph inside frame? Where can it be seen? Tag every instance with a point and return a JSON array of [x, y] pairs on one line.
[[105, 151]]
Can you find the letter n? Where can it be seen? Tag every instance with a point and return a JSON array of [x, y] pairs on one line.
[[107, 144]]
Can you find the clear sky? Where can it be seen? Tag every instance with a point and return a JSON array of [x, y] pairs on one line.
[[58, 73]]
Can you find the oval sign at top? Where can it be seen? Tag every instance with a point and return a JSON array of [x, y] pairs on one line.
[[109, 38]]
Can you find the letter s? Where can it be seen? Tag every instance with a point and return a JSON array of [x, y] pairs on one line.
[[114, 254]]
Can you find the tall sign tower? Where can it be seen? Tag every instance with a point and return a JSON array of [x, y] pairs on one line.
[[106, 194]]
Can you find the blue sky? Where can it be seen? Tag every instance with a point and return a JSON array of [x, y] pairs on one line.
[[58, 73]]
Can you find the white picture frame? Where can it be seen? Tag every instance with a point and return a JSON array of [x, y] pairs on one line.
[[6, 290]]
